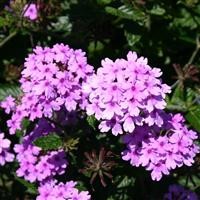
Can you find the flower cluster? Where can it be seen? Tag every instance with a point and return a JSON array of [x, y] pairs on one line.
[[126, 96], [37, 165], [34, 165], [65, 191], [126, 93], [5, 155], [178, 192], [30, 11], [158, 153], [52, 79]]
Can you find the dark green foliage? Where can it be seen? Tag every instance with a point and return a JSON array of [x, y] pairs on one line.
[[91, 121], [31, 188], [193, 117], [49, 142], [8, 89]]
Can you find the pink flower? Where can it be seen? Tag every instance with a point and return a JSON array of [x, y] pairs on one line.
[[161, 153], [52, 189], [5, 155], [51, 80], [30, 11], [35, 165], [8, 104], [128, 91]]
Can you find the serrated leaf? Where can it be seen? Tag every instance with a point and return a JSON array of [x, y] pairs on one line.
[[177, 94], [176, 102], [157, 10], [2, 21], [193, 116], [126, 12], [126, 181], [95, 46], [190, 95], [25, 125], [62, 24], [65, 5], [31, 188], [91, 121], [190, 184], [122, 185], [49, 142], [185, 20], [6, 90], [132, 39], [104, 2], [80, 186]]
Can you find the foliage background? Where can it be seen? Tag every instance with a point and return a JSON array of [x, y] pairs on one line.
[[167, 32]]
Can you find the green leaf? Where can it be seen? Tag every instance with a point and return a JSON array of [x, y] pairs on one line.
[[49, 142], [177, 94], [157, 10], [132, 39], [104, 2], [6, 90], [31, 188], [123, 183], [95, 46], [126, 181], [2, 21], [66, 5], [62, 24], [192, 185], [91, 121], [193, 116], [186, 20], [26, 125], [127, 12], [190, 95], [177, 102], [81, 186]]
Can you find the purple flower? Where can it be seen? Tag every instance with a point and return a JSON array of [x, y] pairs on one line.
[[4, 143], [52, 79], [8, 104], [157, 170], [128, 91], [179, 192], [161, 153], [5, 155], [30, 11], [51, 190], [112, 124], [34, 164]]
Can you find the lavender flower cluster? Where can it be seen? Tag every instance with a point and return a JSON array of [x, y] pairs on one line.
[[34, 165], [178, 192], [52, 78], [51, 85], [126, 93], [126, 96], [161, 150], [61, 191]]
